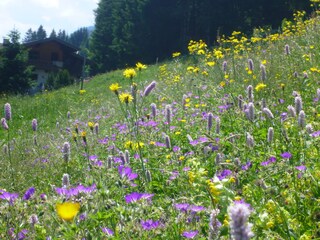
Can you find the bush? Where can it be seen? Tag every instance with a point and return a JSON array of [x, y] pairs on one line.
[[59, 79]]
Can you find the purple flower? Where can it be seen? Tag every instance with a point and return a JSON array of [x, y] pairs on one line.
[[195, 208], [301, 168], [43, 197], [284, 116], [135, 196], [93, 157], [4, 124], [225, 173], [315, 134], [34, 124], [286, 155], [176, 148], [241, 201], [246, 166], [183, 207], [127, 172], [174, 175], [270, 160], [159, 144], [11, 233], [69, 192], [190, 234], [198, 141], [82, 216], [10, 197], [149, 88], [107, 231], [7, 111], [29, 193], [22, 234], [104, 141], [239, 227], [149, 224]]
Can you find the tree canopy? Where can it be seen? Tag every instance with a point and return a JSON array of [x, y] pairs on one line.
[[15, 73], [131, 30]]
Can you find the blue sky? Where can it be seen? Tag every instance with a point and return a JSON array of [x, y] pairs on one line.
[[67, 15]]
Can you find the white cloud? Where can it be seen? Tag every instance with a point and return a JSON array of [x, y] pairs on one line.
[[66, 15], [46, 3]]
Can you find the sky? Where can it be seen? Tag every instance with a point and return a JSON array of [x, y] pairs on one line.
[[67, 15]]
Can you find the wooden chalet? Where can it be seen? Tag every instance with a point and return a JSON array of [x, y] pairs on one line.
[[52, 54]]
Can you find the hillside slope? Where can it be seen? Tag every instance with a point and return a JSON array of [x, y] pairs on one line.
[[224, 142]]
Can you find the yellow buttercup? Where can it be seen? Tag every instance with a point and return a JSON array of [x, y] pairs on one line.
[[67, 210]]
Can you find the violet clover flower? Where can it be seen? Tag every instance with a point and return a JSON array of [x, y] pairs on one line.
[[239, 213], [7, 111]]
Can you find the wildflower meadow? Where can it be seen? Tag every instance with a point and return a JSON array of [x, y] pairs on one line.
[[221, 143]]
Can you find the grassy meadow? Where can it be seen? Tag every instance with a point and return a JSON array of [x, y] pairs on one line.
[[220, 144]]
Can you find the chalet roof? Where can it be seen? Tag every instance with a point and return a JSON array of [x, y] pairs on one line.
[[52, 39]]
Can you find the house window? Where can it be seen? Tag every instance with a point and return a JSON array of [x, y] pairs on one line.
[[33, 55], [54, 56]]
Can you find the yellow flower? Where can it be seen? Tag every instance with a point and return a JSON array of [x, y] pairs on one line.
[[74, 136], [201, 52], [205, 73], [190, 68], [129, 73], [210, 64], [128, 144], [176, 54], [82, 91], [237, 198], [114, 87], [214, 190], [260, 86], [138, 145], [191, 176], [83, 134], [67, 210], [140, 66], [270, 224], [125, 97], [91, 125]]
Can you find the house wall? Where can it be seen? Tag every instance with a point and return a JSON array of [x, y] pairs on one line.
[[42, 76], [53, 55], [50, 52]]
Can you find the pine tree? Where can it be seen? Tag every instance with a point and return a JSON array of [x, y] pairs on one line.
[[53, 34], [30, 36], [41, 33], [102, 37], [118, 31], [15, 74], [63, 35], [79, 38]]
